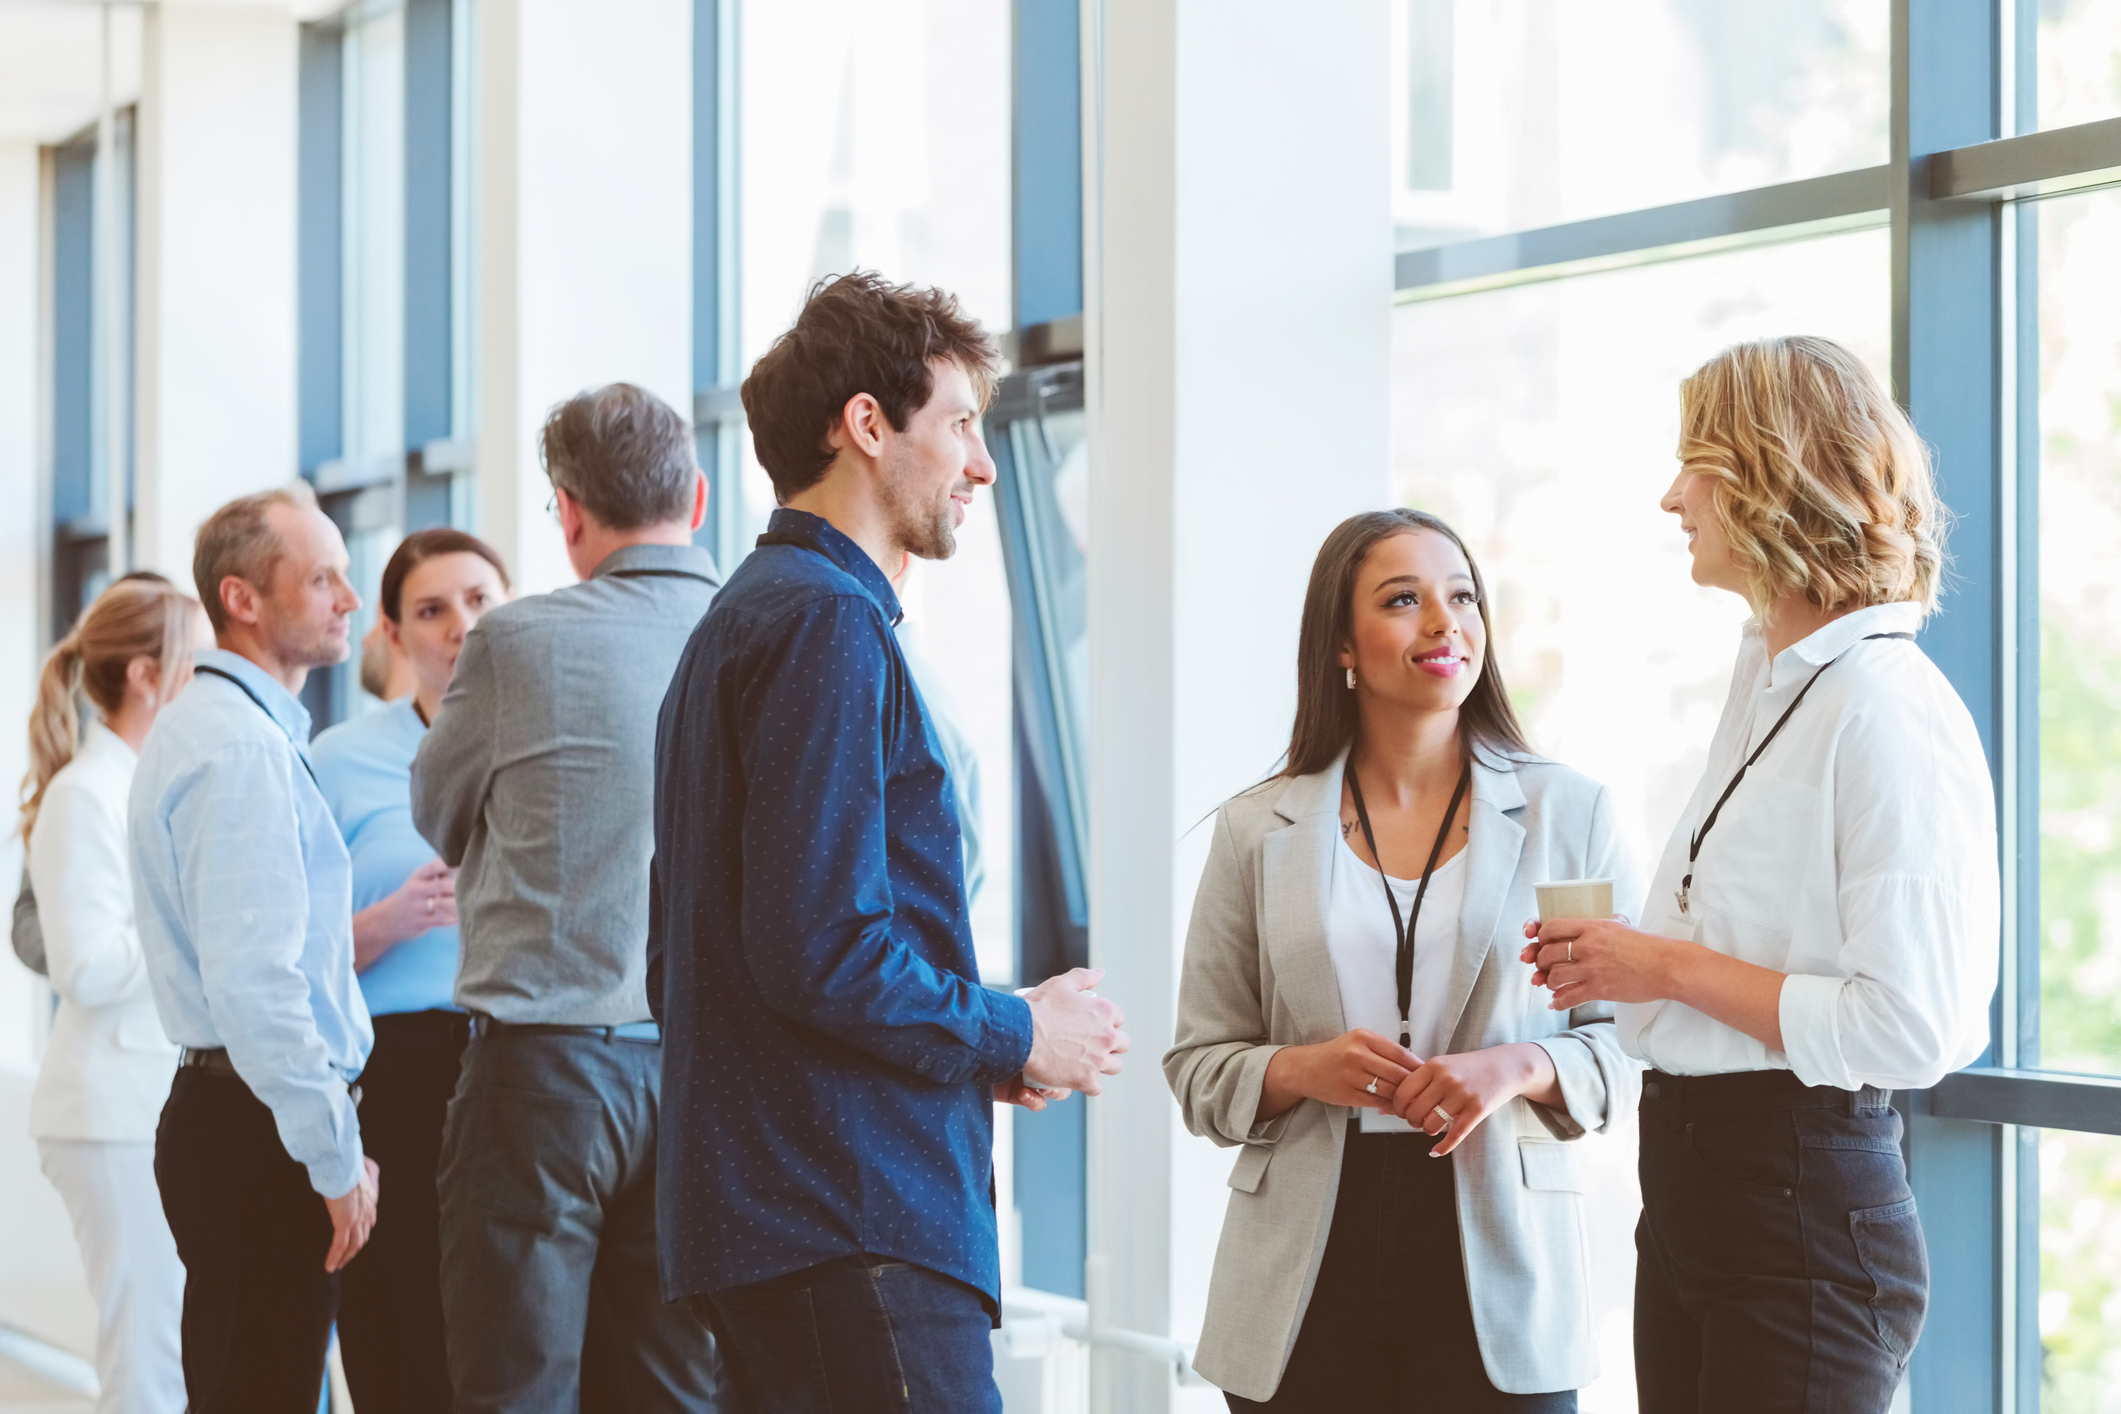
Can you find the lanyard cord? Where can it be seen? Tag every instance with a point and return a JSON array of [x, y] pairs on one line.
[[244, 688], [1403, 960], [1693, 851], [659, 574]]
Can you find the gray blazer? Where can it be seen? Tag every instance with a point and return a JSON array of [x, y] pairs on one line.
[[1257, 977], [536, 780]]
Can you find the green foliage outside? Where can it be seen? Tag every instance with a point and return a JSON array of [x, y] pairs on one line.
[[2080, 1015]]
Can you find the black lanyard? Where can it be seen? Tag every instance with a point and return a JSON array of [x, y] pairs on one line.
[[1693, 851], [660, 574], [244, 688], [1403, 961]]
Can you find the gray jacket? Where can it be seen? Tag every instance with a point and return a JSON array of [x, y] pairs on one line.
[[1257, 977], [537, 779]]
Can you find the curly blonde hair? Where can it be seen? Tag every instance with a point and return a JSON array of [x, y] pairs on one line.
[[1821, 485]]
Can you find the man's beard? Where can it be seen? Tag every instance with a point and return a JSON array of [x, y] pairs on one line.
[[929, 531]]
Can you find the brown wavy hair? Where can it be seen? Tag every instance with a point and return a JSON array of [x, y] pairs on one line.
[[1821, 485], [137, 617], [1326, 718]]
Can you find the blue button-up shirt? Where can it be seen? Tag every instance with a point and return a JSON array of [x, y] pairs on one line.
[[828, 1046], [365, 770], [243, 894]]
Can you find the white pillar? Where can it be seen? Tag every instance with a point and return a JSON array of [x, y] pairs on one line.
[[1240, 305], [21, 555], [583, 227], [215, 371]]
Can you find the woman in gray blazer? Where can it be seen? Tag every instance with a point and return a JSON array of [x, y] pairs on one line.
[[1348, 1028]]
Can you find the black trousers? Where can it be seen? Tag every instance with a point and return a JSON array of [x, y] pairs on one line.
[[1780, 1262], [1390, 1327], [390, 1321], [253, 1235]]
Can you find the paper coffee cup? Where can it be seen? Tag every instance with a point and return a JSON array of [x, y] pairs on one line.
[[1575, 898]]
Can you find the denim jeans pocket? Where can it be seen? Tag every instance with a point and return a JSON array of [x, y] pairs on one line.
[[1890, 1246]]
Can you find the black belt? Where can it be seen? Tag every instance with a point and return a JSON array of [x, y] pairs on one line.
[[1755, 1092], [215, 1061], [645, 1032]]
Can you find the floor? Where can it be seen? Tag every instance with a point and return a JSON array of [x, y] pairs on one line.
[[30, 1383]]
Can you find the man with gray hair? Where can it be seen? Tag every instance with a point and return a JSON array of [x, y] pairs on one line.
[[535, 779]]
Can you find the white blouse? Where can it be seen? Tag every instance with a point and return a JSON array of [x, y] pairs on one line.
[[1858, 857], [1364, 947], [108, 1066]]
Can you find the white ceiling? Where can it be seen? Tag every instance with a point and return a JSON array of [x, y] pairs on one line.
[[51, 60]]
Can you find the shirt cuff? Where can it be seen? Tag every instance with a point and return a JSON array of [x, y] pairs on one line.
[[1005, 1042], [1810, 1012], [335, 1164]]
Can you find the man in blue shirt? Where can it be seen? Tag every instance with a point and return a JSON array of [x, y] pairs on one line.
[[830, 1055], [242, 890]]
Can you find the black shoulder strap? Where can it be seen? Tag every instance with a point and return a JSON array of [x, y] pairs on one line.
[[259, 702]]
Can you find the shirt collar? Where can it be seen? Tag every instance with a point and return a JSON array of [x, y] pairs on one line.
[[101, 740], [279, 703], [824, 537], [680, 559], [1830, 642]]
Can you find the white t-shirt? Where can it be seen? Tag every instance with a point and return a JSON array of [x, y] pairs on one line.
[[1364, 948]]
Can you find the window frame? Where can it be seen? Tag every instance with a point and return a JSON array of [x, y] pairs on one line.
[[1957, 197]]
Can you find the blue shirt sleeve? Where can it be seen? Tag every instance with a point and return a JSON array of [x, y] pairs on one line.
[[240, 864], [819, 723]]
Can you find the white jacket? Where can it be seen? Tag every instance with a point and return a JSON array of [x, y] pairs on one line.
[[108, 1067]]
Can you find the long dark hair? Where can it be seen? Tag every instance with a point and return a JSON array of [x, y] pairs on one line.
[[1325, 710]]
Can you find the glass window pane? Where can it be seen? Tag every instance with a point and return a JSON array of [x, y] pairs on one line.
[[875, 135], [1541, 422], [2079, 61], [2079, 1312], [1512, 114], [2080, 634]]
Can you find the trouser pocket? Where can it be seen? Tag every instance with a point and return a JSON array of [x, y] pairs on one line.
[[1890, 1246]]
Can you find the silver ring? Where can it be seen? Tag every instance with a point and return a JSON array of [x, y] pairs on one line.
[[1572, 951], [430, 903], [1371, 1088], [1439, 1109]]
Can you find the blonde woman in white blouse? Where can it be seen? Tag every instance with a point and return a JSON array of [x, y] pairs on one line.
[[107, 1068], [1822, 929]]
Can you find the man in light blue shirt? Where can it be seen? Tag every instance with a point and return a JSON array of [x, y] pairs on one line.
[[243, 890]]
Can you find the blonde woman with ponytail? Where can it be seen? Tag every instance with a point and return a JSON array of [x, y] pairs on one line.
[[107, 1068]]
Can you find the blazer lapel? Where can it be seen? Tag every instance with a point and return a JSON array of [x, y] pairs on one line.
[[1493, 848], [1297, 869]]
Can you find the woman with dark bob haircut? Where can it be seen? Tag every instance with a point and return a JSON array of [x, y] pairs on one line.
[[1353, 1009], [438, 583]]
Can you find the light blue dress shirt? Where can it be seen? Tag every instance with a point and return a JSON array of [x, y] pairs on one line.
[[365, 769], [242, 891]]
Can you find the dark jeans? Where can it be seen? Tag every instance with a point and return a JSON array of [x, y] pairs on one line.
[[862, 1335], [549, 1280], [1390, 1326], [1780, 1262], [258, 1303], [390, 1320]]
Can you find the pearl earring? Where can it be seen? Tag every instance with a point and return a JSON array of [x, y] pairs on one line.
[[1351, 679]]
